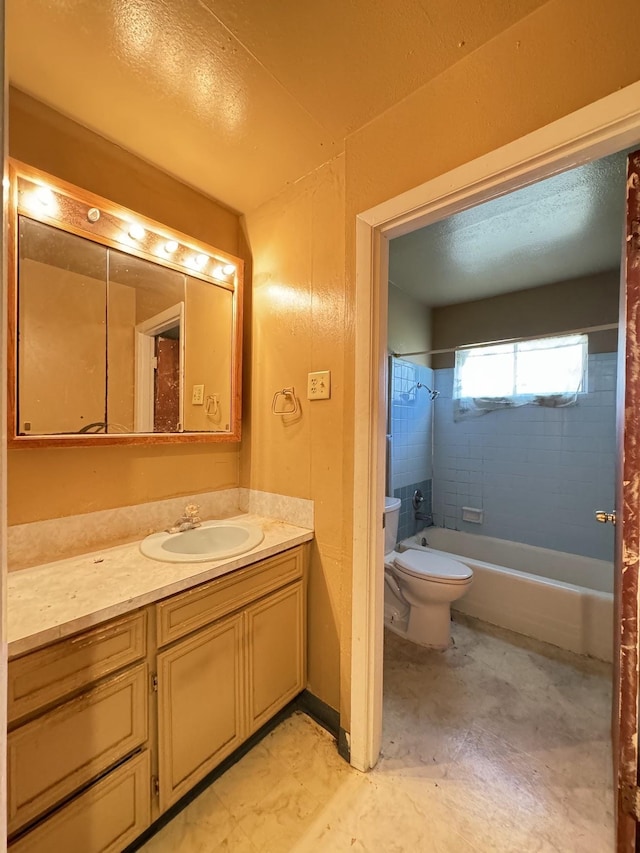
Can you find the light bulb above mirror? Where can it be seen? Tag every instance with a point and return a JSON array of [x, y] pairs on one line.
[[44, 196], [136, 231]]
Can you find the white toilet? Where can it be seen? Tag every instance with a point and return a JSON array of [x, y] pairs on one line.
[[419, 588]]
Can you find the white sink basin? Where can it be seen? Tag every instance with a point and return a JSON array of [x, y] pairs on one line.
[[213, 540]]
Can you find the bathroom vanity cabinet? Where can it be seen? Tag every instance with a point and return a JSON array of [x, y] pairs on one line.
[[232, 655], [112, 726]]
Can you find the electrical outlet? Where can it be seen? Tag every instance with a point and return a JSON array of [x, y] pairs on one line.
[[319, 385], [197, 397]]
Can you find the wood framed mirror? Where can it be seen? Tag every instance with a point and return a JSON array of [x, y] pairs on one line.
[[120, 330]]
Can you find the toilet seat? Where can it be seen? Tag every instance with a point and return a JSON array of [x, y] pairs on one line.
[[430, 566]]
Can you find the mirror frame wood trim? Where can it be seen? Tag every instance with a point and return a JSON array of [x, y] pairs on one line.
[[18, 170]]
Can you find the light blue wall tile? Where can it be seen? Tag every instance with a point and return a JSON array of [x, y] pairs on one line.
[[538, 473], [411, 424]]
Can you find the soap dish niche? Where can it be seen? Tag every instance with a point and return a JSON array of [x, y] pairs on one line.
[[472, 514]]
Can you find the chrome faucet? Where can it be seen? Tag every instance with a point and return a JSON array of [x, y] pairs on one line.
[[416, 502], [187, 521]]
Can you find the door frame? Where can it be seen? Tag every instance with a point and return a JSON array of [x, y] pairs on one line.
[[146, 333], [601, 128], [4, 208]]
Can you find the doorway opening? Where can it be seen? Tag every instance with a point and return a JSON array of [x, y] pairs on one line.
[[509, 310], [501, 443], [159, 371], [596, 131]]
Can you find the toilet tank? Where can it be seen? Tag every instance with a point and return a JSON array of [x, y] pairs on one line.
[[391, 519]]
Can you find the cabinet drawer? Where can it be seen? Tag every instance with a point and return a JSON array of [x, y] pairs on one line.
[[276, 653], [51, 757], [184, 613], [104, 819], [49, 674]]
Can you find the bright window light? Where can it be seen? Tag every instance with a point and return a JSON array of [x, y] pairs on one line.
[[537, 368]]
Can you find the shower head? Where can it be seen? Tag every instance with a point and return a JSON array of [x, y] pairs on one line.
[[432, 393]]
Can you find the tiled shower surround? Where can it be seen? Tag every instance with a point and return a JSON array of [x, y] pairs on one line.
[[537, 473], [407, 523], [411, 445]]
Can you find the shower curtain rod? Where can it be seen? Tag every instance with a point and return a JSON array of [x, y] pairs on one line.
[[606, 327]]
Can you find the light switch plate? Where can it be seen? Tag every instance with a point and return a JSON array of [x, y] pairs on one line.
[[319, 385], [197, 397]]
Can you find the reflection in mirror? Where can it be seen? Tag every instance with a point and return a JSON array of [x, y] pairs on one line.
[[145, 342], [61, 331], [209, 323], [123, 331]]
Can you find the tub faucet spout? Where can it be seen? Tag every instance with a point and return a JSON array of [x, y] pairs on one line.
[[424, 516]]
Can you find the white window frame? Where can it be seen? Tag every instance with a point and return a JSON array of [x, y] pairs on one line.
[[515, 394]]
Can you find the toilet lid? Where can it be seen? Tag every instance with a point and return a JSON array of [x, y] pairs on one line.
[[427, 564]]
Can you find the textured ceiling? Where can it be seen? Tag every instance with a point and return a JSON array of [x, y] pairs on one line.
[[239, 97], [562, 228]]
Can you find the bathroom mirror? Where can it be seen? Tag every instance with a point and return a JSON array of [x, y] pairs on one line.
[[121, 330]]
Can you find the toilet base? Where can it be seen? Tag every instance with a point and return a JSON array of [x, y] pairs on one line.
[[406, 612], [430, 625], [395, 619], [435, 636]]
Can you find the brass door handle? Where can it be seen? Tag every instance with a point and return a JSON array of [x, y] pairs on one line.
[[604, 517]]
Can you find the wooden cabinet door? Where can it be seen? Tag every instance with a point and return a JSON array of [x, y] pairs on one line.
[[276, 651], [201, 716]]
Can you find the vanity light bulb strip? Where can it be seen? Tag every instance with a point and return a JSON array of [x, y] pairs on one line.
[[43, 201]]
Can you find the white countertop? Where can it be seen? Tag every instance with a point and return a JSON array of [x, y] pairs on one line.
[[54, 600]]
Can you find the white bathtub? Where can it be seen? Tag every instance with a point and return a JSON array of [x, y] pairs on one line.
[[552, 596]]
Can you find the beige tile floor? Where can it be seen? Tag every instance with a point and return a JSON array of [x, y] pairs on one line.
[[499, 744]]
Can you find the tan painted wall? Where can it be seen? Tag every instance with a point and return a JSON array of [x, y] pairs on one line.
[[409, 326], [548, 310], [566, 54], [209, 320], [121, 355], [48, 483], [298, 310], [44, 138], [157, 296], [62, 350]]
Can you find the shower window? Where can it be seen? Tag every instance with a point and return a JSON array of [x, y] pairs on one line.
[[547, 371]]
